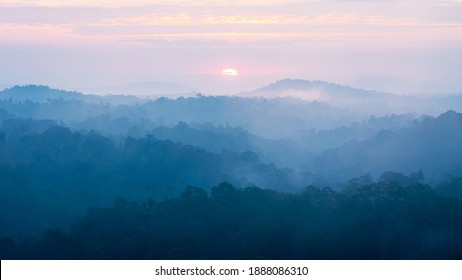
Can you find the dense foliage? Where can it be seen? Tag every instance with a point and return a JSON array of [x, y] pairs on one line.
[[382, 220], [50, 177], [65, 157]]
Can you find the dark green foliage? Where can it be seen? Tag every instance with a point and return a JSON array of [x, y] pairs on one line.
[[48, 178], [265, 117], [432, 145], [378, 221], [451, 186], [65, 155], [7, 249]]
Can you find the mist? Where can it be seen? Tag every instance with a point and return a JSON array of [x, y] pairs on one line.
[[65, 155]]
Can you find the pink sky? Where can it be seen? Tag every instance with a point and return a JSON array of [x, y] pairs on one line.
[[399, 46]]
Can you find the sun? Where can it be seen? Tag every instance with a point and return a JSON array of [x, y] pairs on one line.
[[229, 72]]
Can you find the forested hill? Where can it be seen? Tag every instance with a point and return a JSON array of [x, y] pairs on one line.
[[330, 90], [45, 94], [432, 145], [378, 220], [38, 93], [267, 115], [58, 173], [187, 172], [273, 118]]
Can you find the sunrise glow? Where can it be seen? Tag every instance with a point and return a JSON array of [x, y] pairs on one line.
[[229, 72]]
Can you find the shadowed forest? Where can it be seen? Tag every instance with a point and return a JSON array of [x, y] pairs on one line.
[[380, 220], [354, 175]]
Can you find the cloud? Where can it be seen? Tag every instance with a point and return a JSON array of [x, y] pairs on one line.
[[330, 40], [138, 3]]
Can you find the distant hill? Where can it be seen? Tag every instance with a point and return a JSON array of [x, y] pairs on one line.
[[432, 145], [268, 115], [273, 118], [303, 85], [314, 90], [43, 94], [147, 89], [359, 100], [38, 93], [341, 96]]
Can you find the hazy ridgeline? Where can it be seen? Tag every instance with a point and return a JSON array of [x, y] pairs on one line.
[[62, 153]]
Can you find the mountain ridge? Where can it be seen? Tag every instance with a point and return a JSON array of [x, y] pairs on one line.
[[43, 94], [302, 84]]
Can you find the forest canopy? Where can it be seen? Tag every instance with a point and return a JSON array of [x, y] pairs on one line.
[[228, 177], [381, 220]]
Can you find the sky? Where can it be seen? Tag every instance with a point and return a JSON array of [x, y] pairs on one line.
[[405, 46]]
